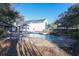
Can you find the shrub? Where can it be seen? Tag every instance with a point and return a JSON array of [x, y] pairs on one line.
[[1, 31]]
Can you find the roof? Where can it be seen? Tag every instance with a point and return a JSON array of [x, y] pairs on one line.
[[35, 21]]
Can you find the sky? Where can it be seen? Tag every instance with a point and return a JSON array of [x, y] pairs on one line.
[[35, 11]]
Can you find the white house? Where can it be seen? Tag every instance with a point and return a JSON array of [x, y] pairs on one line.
[[36, 25], [31, 26]]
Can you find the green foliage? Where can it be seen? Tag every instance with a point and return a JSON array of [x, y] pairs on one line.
[[70, 18], [7, 14], [1, 31], [45, 30]]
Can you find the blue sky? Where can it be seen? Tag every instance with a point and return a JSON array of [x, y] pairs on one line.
[[32, 11]]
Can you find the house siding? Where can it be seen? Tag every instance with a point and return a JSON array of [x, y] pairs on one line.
[[36, 27]]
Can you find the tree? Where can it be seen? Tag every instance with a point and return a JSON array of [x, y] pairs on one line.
[[7, 16], [70, 18]]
